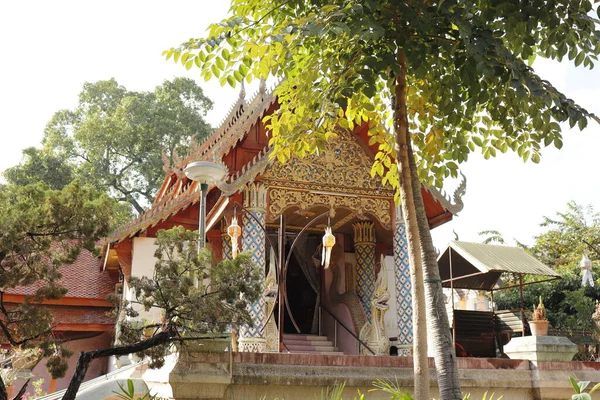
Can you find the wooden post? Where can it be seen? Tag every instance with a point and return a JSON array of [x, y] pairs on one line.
[[522, 304]]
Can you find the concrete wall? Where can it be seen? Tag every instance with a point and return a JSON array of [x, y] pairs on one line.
[[305, 376]]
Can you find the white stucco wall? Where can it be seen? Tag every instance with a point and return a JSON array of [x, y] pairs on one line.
[[143, 260], [142, 264]]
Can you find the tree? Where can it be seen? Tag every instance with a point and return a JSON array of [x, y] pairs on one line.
[[189, 305], [40, 166], [56, 171], [492, 236], [437, 78], [41, 230], [115, 138], [569, 235], [561, 247]]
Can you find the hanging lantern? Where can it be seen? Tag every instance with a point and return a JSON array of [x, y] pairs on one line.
[[586, 268], [234, 231], [328, 243]]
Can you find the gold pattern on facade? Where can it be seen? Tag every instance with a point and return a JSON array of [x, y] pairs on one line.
[[282, 199], [364, 232], [255, 196], [342, 167]]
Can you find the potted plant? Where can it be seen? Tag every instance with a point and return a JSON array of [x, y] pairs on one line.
[[539, 320]]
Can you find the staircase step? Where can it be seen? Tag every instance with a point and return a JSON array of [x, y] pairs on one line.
[[326, 353], [307, 342], [309, 348], [301, 336]]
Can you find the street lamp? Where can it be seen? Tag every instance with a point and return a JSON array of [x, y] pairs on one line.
[[205, 173]]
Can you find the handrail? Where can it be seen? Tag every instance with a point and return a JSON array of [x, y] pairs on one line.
[[346, 328]]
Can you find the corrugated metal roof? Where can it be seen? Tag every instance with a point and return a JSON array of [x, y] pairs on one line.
[[478, 266], [487, 258]]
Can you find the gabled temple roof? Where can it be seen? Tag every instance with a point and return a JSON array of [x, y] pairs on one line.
[[178, 193], [84, 279]]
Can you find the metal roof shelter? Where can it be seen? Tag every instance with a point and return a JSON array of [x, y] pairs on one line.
[[478, 266], [465, 265]]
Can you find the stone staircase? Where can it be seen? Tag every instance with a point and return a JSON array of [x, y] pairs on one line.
[[310, 344]]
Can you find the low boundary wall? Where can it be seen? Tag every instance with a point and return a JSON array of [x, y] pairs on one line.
[[304, 376]]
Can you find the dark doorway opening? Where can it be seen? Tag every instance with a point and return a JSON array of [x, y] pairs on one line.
[[300, 294]]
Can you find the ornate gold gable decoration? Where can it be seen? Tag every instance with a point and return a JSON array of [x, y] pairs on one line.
[[342, 167], [282, 199]]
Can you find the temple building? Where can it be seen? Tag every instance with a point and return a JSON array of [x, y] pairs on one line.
[[82, 318], [361, 304]]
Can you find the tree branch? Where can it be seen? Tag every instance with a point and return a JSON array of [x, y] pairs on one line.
[[85, 358]]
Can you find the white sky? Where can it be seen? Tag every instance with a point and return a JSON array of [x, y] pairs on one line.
[[50, 48]]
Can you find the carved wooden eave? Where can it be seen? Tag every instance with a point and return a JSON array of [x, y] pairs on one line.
[[168, 206], [177, 192], [247, 174], [242, 116]]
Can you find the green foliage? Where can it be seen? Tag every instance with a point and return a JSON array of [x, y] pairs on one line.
[[469, 83], [579, 389], [563, 244], [40, 166], [115, 138], [492, 237], [561, 247], [38, 390], [42, 230], [459, 69], [393, 388], [334, 392], [194, 296], [128, 393]]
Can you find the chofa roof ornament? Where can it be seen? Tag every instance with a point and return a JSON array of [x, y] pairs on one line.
[[454, 204]]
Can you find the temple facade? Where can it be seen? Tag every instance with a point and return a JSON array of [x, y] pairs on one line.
[[360, 303]]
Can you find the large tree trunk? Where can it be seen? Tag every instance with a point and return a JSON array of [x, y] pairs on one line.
[[437, 316], [421, 367]]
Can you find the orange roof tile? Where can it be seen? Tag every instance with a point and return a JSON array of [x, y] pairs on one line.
[[81, 315], [83, 279]]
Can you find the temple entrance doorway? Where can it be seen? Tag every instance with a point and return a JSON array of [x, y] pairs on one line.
[[302, 283]]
